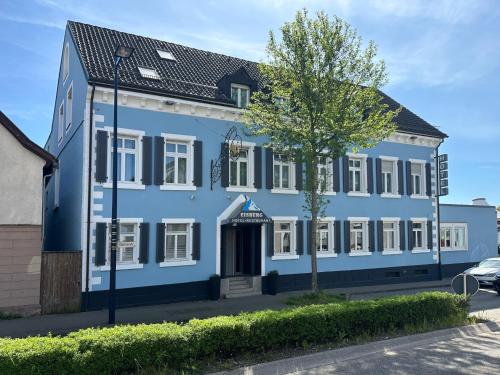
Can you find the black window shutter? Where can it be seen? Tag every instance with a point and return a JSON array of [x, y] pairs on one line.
[[269, 168], [371, 235], [299, 236], [196, 241], [270, 239], [159, 178], [160, 242], [309, 237], [429, 234], [401, 178], [410, 234], [224, 173], [347, 236], [345, 162], [144, 243], [336, 231], [378, 173], [298, 172], [336, 175], [101, 156], [257, 167], [402, 239], [100, 243], [369, 173], [147, 160], [408, 178], [428, 184], [198, 163], [380, 235]]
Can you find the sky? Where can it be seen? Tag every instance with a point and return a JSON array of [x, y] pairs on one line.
[[442, 57]]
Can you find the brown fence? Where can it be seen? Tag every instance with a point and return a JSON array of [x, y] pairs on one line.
[[60, 286]]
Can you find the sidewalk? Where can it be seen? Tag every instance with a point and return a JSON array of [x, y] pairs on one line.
[[183, 311]]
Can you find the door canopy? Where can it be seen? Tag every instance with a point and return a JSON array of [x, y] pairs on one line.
[[247, 213]]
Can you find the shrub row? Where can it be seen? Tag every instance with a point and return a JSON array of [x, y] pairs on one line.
[[126, 348]]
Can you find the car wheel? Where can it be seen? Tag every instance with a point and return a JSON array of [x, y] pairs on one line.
[[496, 286]]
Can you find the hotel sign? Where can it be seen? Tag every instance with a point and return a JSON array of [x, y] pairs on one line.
[[249, 214]]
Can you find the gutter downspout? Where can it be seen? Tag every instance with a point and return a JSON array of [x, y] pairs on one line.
[[89, 197], [438, 230]]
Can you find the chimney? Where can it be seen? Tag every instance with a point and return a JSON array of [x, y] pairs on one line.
[[480, 202]]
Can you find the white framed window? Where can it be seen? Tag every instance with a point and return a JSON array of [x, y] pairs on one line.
[[240, 94], [60, 123], [454, 236], [69, 106], [419, 236], [129, 158], [179, 159], [417, 178], [178, 242], [390, 235], [389, 170], [284, 237], [148, 73], [325, 237], [283, 173], [65, 70], [166, 55], [357, 174], [325, 174], [241, 170], [358, 242]]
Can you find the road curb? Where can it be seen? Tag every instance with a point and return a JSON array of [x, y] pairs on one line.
[[330, 357]]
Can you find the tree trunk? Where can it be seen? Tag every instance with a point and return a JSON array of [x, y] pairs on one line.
[[314, 222]]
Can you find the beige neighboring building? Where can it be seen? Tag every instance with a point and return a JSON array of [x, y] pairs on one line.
[[23, 165]]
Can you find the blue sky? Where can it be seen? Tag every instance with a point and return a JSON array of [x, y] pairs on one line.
[[443, 59]]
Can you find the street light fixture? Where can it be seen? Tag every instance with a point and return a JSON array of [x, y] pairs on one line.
[[121, 52]]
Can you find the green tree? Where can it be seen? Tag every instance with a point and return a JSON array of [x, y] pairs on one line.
[[321, 98]]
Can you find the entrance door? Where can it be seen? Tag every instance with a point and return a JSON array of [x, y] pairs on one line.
[[241, 250]]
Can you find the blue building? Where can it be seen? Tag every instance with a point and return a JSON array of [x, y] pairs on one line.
[[198, 197]]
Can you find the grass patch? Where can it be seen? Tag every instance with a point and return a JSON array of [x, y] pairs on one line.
[[318, 298]]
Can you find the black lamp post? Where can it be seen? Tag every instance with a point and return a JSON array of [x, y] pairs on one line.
[[121, 52]]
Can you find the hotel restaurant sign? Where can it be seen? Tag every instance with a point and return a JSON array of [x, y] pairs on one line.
[[249, 214]]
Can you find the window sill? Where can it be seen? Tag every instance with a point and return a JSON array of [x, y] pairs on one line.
[[452, 250], [359, 253], [328, 193], [357, 194], [392, 252], [413, 196], [178, 187], [419, 251], [284, 257], [121, 185], [120, 267], [284, 191], [236, 189], [326, 255], [393, 196], [178, 263]]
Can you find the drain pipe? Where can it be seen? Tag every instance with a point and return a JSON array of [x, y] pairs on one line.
[[438, 219], [89, 198]]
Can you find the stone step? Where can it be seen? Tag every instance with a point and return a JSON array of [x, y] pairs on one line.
[[240, 294], [239, 287]]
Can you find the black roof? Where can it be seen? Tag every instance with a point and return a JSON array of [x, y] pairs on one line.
[[195, 74]]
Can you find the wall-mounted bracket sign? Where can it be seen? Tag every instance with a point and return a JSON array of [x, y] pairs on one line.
[[248, 213], [233, 139], [443, 175]]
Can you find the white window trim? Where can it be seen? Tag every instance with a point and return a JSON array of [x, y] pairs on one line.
[[68, 114], [423, 182], [136, 185], [424, 221], [395, 177], [60, 122], [364, 173], [365, 251], [148, 73], [291, 177], [65, 64], [240, 87], [186, 262], [293, 246], [331, 177], [121, 267], [250, 146], [189, 139], [396, 221], [167, 55], [331, 238], [452, 227]]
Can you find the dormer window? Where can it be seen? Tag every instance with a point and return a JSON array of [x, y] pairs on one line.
[[148, 73], [165, 55], [240, 94]]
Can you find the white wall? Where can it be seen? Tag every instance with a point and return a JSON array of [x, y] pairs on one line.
[[21, 174]]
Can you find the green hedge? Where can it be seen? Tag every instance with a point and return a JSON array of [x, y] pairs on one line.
[[130, 347]]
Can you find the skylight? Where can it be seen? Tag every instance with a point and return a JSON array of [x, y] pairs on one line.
[[165, 55], [148, 73]]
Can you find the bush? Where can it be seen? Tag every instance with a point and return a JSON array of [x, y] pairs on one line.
[[128, 348]]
